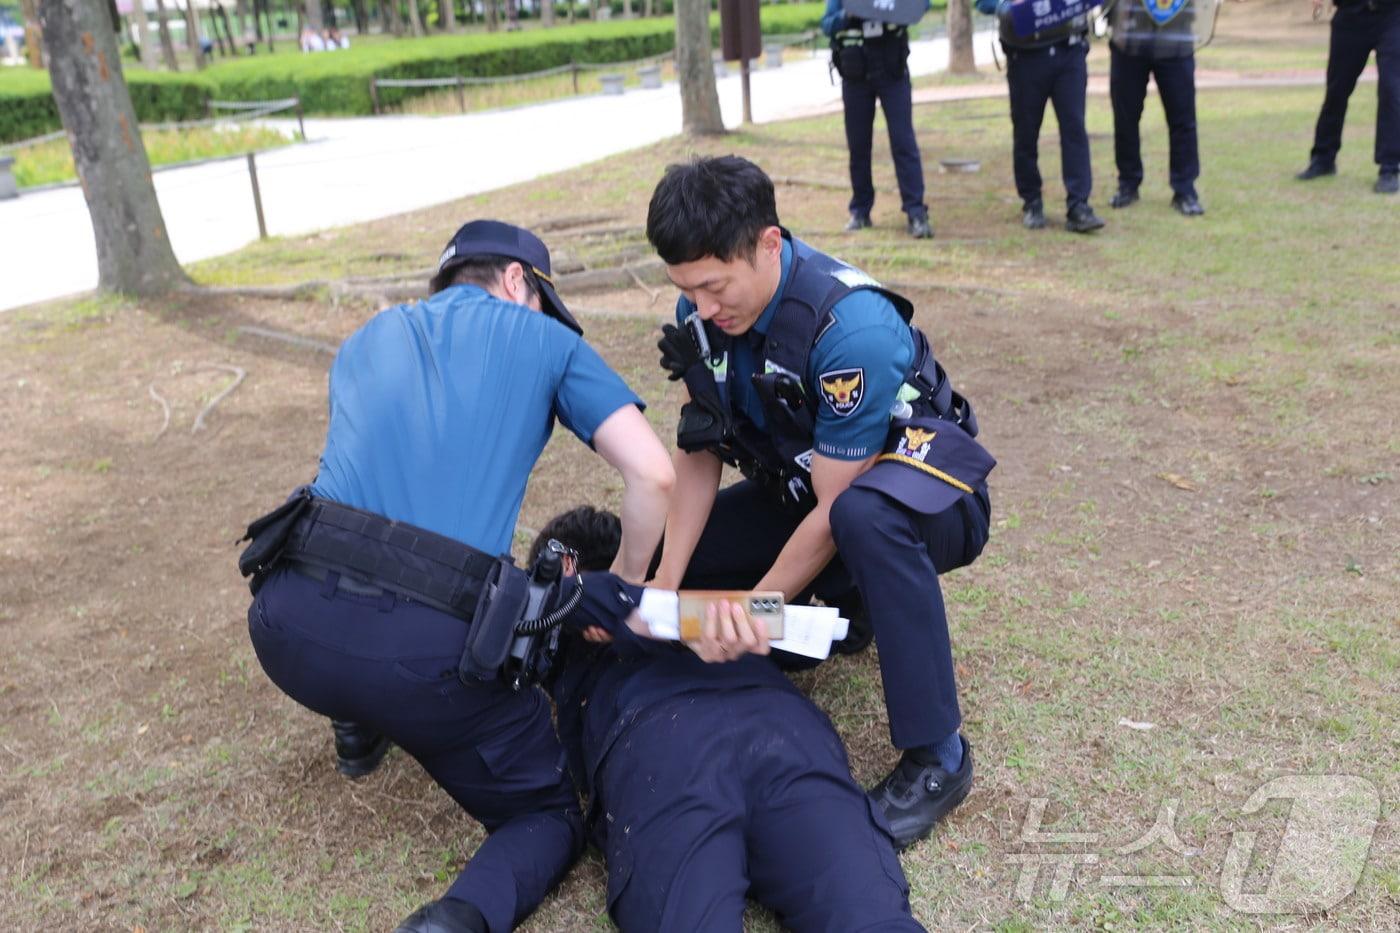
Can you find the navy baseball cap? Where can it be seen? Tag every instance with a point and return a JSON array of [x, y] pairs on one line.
[[928, 465], [494, 238]]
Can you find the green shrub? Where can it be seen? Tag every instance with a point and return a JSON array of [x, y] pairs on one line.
[[27, 107]]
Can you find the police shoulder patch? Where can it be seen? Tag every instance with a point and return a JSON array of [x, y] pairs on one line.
[[843, 390]]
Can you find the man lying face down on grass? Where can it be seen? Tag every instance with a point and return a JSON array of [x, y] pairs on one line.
[[709, 782]]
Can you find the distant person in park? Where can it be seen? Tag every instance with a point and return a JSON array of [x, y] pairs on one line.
[[872, 58], [311, 41], [335, 40], [1048, 66], [1155, 39], [1360, 27], [709, 782], [366, 583], [863, 483]]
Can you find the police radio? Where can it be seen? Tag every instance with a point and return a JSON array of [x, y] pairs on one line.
[[536, 640]]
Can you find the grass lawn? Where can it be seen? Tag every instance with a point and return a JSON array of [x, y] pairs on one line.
[[1194, 528], [50, 162]]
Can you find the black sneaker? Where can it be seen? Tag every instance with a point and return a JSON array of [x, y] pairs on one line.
[[448, 915], [358, 750], [1317, 169], [858, 221], [919, 227], [1082, 219], [1388, 182], [1123, 197], [914, 797], [1033, 215], [1188, 205]]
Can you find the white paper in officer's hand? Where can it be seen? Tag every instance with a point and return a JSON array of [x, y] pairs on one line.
[[809, 630]]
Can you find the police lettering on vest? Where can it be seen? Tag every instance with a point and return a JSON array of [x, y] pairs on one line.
[[1033, 24]]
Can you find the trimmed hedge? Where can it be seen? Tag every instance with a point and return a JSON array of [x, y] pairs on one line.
[[338, 82], [27, 107]]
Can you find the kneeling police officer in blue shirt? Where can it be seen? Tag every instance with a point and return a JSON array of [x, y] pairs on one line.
[[381, 594], [858, 456]]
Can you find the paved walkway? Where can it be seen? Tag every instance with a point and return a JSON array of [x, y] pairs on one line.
[[355, 170]]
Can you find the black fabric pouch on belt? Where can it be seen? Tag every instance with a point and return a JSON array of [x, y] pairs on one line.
[[268, 537]]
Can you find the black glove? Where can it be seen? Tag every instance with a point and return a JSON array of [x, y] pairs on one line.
[[678, 352]]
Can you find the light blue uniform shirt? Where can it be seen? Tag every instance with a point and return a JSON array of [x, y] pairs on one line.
[[439, 410], [867, 335]]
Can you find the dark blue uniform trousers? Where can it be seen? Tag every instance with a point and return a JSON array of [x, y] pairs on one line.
[[710, 796], [893, 555], [1356, 32], [1127, 87], [896, 99], [1057, 74], [392, 665]]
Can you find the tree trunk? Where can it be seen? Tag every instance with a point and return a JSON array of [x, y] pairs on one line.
[[133, 252], [33, 35], [546, 13], [361, 17], [392, 21], [223, 32], [192, 35], [415, 19], [491, 15], [167, 44], [143, 34], [695, 69], [647, 9], [447, 17], [573, 4], [626, 9], [960, 61], [311, 10], [512, 15]]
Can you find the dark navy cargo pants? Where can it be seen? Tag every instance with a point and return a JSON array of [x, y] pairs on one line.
[[893, 555], [896, 98], [1057, 75], [391, 665], [1176, 83], [1356, 32], [712, 796]]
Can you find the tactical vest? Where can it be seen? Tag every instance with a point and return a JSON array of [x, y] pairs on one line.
[[859, 57], [781, 456], [1135, 32], [1079, 26]]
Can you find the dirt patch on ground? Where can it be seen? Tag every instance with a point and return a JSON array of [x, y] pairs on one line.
[[1193, 529]]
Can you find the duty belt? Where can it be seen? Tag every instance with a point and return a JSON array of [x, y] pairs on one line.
[[430, 568]]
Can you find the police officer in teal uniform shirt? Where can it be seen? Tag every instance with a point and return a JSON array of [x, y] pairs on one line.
[[859, 459]]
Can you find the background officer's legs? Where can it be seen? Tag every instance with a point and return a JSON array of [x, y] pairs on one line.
[[1029, 90], [1388, 112], [1351, 42], [392, 665], [859, 100], [897, 101], [807, 808], [1176, 82], [1071, 81], [1127, 87]]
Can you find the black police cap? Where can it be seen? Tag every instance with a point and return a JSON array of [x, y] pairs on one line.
[[494, 238]]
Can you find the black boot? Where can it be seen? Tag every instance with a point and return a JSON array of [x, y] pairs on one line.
[[358, 750], [858, 221], [916, 795], [1033, 215], [1188, 205], [1388, 182], [1123, 197], [858, 630], [1317, 169], [448, 915], [919, 227], [1082, 219]]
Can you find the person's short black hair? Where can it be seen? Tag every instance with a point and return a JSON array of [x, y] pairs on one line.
[[483, 270], [595, 533], [710, 207]]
